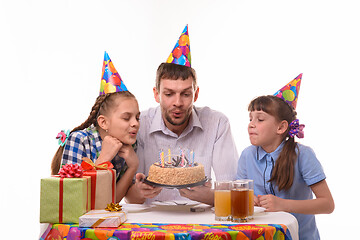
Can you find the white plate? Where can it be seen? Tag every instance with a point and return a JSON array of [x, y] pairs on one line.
[[176, 203], [135, 207], [256, 209]]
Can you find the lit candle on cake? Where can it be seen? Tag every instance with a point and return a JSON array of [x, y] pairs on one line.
[[191, 156], [182, 158], [159, 157], [169, 156], [162, 159]]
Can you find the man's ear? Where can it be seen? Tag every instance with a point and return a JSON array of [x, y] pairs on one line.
[[196, 94], [282, 128], [156, 95], [102, 122]]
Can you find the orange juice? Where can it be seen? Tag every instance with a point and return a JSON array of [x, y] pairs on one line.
[[222, 204], [251, 202]]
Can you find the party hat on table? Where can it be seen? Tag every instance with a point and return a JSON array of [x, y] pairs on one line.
[[290, 92], [110, 79], [181, 53]]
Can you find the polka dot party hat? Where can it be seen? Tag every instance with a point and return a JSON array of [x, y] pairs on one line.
[[110, 78], [181, 53], [290, 92]]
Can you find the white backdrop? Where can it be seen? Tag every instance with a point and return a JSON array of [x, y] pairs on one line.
[[51, 55]]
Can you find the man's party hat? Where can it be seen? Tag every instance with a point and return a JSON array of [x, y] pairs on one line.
[[181, 53], [110, 80], [290, 92]]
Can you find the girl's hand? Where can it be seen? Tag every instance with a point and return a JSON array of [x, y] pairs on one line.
[[270, 202], [109, 148], [127, 152], [323, 203]]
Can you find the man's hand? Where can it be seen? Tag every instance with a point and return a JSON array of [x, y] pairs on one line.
[[145, 190], [202, 194]]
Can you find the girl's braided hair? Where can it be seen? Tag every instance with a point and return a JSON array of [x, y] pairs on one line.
[[103, 104]]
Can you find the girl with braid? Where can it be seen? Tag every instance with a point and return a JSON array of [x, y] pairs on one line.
[[285, 173], [108, 134]]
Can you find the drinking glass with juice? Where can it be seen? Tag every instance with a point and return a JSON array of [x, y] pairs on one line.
[[240, 201], [222, 201], [251, 198]]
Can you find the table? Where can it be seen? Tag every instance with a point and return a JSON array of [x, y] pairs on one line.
[[178, 223]]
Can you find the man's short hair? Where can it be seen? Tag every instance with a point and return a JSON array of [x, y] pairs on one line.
[[174, 72]]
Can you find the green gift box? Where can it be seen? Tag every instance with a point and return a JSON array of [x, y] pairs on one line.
[[64, 200]]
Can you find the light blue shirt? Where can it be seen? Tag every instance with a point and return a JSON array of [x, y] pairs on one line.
[[256, 164]]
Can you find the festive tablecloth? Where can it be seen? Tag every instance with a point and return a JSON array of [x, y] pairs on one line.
[[161, 231]]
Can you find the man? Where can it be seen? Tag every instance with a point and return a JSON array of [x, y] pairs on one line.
[[177, 123]]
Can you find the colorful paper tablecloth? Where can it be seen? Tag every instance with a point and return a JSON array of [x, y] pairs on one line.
[[160, 231]]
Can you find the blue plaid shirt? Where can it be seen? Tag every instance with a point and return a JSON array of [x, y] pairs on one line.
[[87, 143]]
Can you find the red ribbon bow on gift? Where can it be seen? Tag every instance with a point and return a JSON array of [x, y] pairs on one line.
[[87, 165], [70, 170]]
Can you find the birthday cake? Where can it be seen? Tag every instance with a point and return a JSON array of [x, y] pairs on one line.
[[176, 171]]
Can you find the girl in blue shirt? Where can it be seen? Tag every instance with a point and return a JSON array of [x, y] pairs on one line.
[[285, 173]]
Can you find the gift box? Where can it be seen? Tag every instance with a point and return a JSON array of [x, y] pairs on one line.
[[102, 218], [64, 200], [103, 183]]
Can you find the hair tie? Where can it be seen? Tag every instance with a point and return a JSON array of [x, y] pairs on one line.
[[296, 129], [63, 136]]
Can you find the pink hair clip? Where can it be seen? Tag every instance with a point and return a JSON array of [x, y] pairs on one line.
[[63, 136]]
